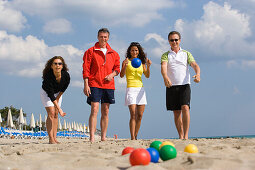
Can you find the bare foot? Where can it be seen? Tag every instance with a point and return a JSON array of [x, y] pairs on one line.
[[51, 142], [92, 139], [57, 142]]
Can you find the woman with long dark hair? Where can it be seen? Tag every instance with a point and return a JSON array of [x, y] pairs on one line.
[[55, 81], [135, 93]]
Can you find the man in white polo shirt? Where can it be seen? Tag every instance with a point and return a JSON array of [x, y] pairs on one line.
[[175, 72]]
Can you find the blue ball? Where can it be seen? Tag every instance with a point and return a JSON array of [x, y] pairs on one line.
[[136, 62], [154, 154]]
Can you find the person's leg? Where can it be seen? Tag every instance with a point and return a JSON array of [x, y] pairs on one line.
[[139, 116], [50, 123], [178, 123], [186, 120], [132, 121], [93, 120], [104, 120], [55, 125]]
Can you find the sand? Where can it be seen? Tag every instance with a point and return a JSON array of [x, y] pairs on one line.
[[229, 153]]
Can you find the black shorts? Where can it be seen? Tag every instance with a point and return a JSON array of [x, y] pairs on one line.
[[176, 96], [103, 95]]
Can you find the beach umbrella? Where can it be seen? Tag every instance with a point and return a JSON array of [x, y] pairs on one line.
[[69, 127], [64, 125], [40, 120], [72, 125], [59, 125], [9, 119], [25, 121], [21, 117], [1, 118], [45, 119], [37, 124], [88, 129], [84, 128], [32, 121]]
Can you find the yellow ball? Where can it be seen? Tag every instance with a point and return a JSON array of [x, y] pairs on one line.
[[191, 148], [166, 143]]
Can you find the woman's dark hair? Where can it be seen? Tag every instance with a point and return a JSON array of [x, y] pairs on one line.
[[141, 55], [47, 67]]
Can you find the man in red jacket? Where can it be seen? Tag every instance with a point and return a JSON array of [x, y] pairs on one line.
[[100, 65]]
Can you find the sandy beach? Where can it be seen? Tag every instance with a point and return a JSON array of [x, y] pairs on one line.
[[229, 153]]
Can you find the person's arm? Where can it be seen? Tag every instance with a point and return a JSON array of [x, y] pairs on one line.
[[55, 102], [86, 89], [167, 81], [86, 72], [115, 69], [146, 71], [123, 68], [196, 68]]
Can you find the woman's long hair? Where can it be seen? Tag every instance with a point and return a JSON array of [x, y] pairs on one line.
[[141, 55], [48, 68]]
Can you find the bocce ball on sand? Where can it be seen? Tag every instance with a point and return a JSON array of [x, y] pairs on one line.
[[166, 143], [154, 154], [191, 148], [139, 156], [136, 62], [127, 150], [156, 144], [167, 152]]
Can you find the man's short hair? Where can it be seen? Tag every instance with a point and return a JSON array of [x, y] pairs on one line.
[[105, 30], [174, 32]]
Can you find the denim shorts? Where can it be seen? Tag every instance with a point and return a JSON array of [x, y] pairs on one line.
[[103, 95]]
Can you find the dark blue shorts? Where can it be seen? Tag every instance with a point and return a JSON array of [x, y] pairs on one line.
[[176, 96], [103, 95]]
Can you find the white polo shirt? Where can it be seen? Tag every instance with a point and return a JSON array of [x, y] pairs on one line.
[[177, 66]]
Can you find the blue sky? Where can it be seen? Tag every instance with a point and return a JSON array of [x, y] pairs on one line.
[[219, 34]]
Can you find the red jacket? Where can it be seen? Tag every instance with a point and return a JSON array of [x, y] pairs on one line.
[[96, 66]]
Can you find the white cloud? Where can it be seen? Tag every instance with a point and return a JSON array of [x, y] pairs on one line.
[[30, 55], [77, 83], [58, 26], [132, 12], [221, 31], [241, 64], [162, 44], [11, 19]]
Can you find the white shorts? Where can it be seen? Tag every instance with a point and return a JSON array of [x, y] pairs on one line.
[[135, 95], [46, 100]]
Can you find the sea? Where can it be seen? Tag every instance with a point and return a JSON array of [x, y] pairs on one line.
[[221, 137]]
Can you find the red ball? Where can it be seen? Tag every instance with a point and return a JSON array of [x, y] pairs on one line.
[[127, 150], [139, 156]]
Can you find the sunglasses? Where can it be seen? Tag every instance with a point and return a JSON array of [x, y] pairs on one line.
[[60, 64], [172, 40]]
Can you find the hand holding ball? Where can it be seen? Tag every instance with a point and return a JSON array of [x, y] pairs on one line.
[[136, 62]]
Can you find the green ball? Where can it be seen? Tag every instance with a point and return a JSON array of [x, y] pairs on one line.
[[167, 152], [156, 144]]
